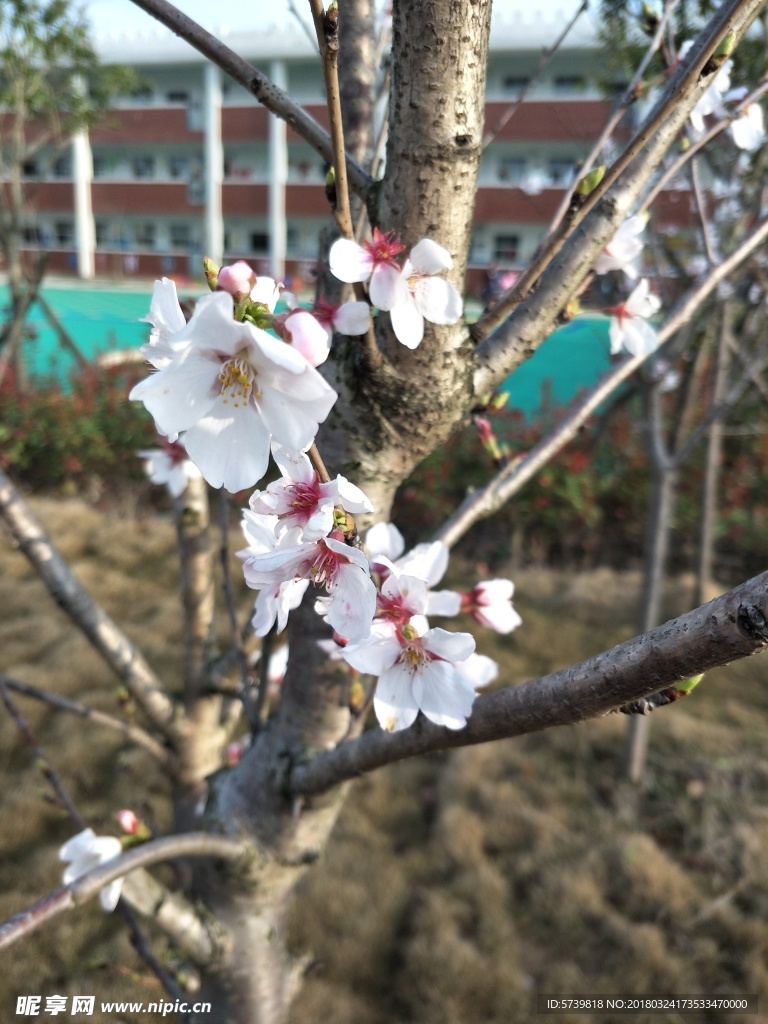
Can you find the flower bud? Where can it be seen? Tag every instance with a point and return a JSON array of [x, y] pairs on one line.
[[590, 181], [211, 271], [723, 51], [237, 279]]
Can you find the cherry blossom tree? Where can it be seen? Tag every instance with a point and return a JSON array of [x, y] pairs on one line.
[[364, 386]]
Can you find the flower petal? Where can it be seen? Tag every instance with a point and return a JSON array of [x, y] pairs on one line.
[[387, 286], [394, 702], [230, 446], [407, 322], [437, 300], [349, 261], [427, 257]]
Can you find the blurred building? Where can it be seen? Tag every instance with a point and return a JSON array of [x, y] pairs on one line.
[[192, 164]]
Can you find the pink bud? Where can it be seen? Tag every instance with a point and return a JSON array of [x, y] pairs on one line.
[[129, 822], [308, 336], [234, 753], [237, 279], [484, 429]]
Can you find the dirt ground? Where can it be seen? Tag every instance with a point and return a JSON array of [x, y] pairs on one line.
[[455, 887]]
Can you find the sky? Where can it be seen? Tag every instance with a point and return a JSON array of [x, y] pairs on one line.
[[116, 16]]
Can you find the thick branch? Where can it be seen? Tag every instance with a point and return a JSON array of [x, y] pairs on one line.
[[83, 889], [245, 74], [173, 914], [116, 649], [558, 279], [731, 627]]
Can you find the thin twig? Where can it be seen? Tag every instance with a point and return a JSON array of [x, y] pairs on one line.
[[236, 631], [116, 649], [701, 210], [682, 89], [328, 41], [83, 889], [245, 74], [132, 732], [546, 57], [42, 758], [677, 165], [629, 97], [508, 481]]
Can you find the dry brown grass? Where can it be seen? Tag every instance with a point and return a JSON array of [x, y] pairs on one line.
[[456, 886]]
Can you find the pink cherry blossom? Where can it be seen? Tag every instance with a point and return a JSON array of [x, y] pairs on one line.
[[490, 604], [417, 673], [330, 563], [300, 499], [628, 329], [422, 296], [373, 260], [302, 330], [232, 388]]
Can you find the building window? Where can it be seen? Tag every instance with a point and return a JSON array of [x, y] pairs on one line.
[[30, 235], [62, 168], [506, 248], [146, 235], [63, 232], [512, 169], [179, 167], [515, 84], [142, 94], [143, 167], [561, 172], [181, 236], [569, 85], [100, 166], [259, 241], [102, 232], [177, 96], [30, 169]]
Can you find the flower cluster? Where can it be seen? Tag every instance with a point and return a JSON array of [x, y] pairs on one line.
[[229, 387], [629, 330], [227, 395], [410, 294]]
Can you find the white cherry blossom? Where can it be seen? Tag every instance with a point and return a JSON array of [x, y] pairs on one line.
[[171, 466], [628, 327], [300, 499], [748, 131], [273, 603], [418, 673], [423, 296], [232, 388], [329, 562], [712, 99], [85, 852], [624, 248], [490, 604], [350, 318], [372, 261], [167, 319]]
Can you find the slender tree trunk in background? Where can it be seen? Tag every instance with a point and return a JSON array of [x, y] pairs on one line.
[[660, 514], [713, 464]]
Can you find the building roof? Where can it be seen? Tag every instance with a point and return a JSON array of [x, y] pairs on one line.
[[282, 37]]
